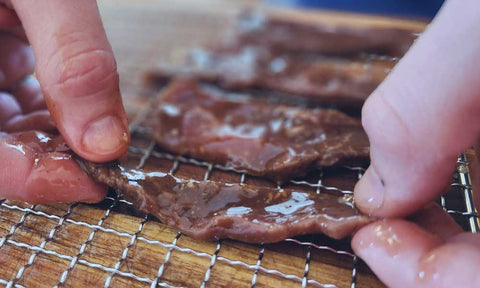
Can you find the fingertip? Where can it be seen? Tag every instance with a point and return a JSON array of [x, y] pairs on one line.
[[29, 173], [402, 254], [96, 193], [362, 238], [392, 249], [89, 113], [369, 192], [78, 74], [105, 139], [57, 178], [399, 190]]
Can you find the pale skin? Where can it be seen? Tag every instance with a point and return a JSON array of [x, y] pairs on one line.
[[76, 71], [418, 120]]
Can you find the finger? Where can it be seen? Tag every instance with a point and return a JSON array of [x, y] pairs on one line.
[[403, 255], [38, 120], [423, 115], [433, 219], [16, 60], [9, 108], [30, 173], [15, 31], [77, 71], [465, 238], [29, 95], [8, 17]]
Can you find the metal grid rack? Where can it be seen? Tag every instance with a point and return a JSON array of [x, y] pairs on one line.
[[458, 203]]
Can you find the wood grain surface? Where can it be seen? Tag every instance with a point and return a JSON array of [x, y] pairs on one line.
[[110, 244]]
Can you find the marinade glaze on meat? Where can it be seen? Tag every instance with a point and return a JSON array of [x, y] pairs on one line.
[[320, 79], [262, 138], [322, 62], [206, 210], [211, 210], [275, 141], [273, 55], [283, 32]]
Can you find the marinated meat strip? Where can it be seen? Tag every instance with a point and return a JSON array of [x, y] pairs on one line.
[[324, 63], [276, 141], [286, 33], [206, 210], [318, 78], [211, 210]]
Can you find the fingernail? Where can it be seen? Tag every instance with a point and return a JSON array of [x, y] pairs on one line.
[[370, 191], [105, 136]]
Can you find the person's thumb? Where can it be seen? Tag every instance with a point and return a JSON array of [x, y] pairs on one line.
[[423, 115], [76, 68]]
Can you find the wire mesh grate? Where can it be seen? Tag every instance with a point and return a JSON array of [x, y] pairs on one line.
[[120, 272]]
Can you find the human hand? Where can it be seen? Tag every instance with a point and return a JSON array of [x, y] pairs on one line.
[[77, 73], [434, 252], [420, 118]]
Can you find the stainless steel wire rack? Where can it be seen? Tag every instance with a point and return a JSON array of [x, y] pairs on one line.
[[113, 245], [110, 244], [65, 264]]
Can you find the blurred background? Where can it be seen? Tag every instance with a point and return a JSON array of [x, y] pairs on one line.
[[425, 9]]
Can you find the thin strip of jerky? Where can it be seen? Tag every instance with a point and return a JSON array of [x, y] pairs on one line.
[[275, 141], [210, 210], [320, 79], [289, 34]]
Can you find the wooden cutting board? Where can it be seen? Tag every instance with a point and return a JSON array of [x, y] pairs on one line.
[[108, 244]]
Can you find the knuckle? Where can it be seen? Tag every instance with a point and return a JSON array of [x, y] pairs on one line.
[[385, 126], [87, 72]]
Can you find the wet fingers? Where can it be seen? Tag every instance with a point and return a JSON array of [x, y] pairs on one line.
[[38, 120], [403, 254], [35, 169]]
